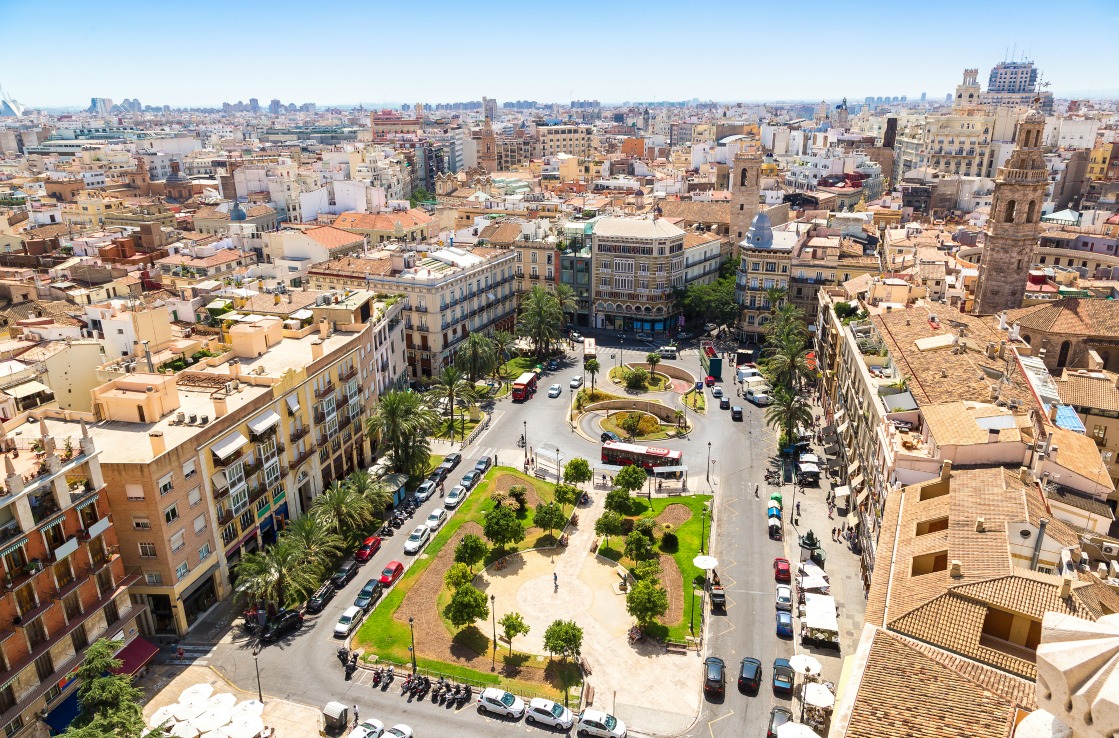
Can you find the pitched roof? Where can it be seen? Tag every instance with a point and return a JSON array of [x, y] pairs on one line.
[[502, 233], [1072, 316], [384, 222], [696, 212], [212, 213], [1090, 389], [331, 237], [693, 239]]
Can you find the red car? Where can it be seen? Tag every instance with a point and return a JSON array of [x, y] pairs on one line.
[[370, 546], [391, 573], [710, 381], [781, 571]]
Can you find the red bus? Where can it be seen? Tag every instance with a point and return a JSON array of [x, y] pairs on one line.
[[624, 454], [524, 387]]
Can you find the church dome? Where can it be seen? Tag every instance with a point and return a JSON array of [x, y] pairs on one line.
[[236, 213], [1034, 116]]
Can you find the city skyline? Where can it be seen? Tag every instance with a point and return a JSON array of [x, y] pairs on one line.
[[795, 60]]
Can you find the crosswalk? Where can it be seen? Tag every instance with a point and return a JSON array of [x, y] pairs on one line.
[[193, 655]]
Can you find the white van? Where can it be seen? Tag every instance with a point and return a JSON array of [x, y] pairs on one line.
[[747, 372], [759, 396], [667, 352]]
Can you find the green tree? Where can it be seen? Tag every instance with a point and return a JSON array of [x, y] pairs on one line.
[[636, 379], [458, 575], [280, 573], [110, 704], [563, 638], [467, 606], [591, 366], [565, 298], [845, 309], [789, 411], [404, 424], [548, 517], [519, 494], [577, 471], [341, 510], [617, 500], [476, 357], [502, 527], [502, 344], [608, 524], [775, 297], [420, 195], [319, 545], [375, 493], [648, 527], [652, 359], [630, 423], [452, 389], [513, 625], [471, 550], [540, 319], [638, 547], [565, 495], [646, 601], [648, 568], [630, 478]]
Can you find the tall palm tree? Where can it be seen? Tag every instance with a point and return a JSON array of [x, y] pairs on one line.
[[591, 366], [540, 320], [502, 343], [787, 363], [403, 421], [565, 297], [652, 359], [279, 573], [318, 542], [452, 389], [790, 410], [340, 509], [378, 495], [775, 296], [476, 356]]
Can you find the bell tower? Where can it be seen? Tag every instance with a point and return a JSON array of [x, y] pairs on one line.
[[1014, 225], [745, 191], [487, 148]]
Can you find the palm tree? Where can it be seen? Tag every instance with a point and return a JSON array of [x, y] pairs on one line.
[[788, 363], [790, 410], [591, 367], [404, 422], [452, 389], [476, 356], [502, 342], [565, 297], [540, 320], [652, 359], [318, 542], [340, 509], [279, 573], [775, 296], [376, 494]]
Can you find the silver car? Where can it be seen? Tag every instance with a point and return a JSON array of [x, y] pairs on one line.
[[417, 540], [545, 712]]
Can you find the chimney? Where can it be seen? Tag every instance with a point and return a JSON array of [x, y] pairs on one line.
[[1042, 524], [234, 368], [1053, 412], [221, 407], [1066, 587], [945, 471], [991, 350], [324, 328], [159, 446], [957, 570], [148, 356], [1002, 349], [1095, 362], [980, 525], [316, 350]]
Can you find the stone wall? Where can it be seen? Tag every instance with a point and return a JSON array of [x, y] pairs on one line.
[[664, 413]]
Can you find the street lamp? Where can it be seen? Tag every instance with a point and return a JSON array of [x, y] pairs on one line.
[[493, 617], [709, 462], [703, 528], [412, 648], [259, 693], [525, 437]]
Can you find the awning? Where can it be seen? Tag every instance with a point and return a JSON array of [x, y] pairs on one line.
[[843, 427], [135, 656], [828, 429], [808, 469], [862, 496], [809, 459], [843, 491], [26, 389], [13, 546], [831, 449], [226, 446], [293, 402], [63, 714], [856, 481], [853, 468], [834, 463], [264, 421], [303, 314]]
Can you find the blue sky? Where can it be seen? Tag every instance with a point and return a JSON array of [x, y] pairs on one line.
[[343, 52]]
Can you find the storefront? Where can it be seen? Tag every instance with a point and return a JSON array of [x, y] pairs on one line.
[[200, 597]]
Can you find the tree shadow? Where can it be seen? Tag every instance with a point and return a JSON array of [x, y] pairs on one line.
[[470, 643]]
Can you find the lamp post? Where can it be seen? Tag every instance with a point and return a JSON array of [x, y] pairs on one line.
[[709, 462], [259, 693], [702, 531], [412, 648], [525, 436], [493, 617]]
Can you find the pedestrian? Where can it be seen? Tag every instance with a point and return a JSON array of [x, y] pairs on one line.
[[833, 530], [798, 507], [555, 580], [495, 459], [356, 719], [756, 486]]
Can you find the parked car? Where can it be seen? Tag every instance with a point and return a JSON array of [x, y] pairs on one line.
[[436, 519], [609, 436], [416, 541], [716, 391], [437, 475], [499, 702], [425, 491], [781, 570], [710, 381], [576, 381], [600, 724], [285, 621], [470, 479], [758, 397], [708, 327], [724, 403], [322, 595], [400, 730], [369, 595], [736, 413], [782, 676], [368, 729], [348, 621], [784, 597], [644, 337], [444, 469], [784, 624], [346, 572], [552, 714], [483, 464], [778, 716], [391, 573], [555, 391], [454, 497], [749, 675], [553, 365], [576, 336], [453, 459], [714, 676], [368, 547]]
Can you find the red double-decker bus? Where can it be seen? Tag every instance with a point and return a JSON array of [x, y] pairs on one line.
[[524, 387], [649, 457]]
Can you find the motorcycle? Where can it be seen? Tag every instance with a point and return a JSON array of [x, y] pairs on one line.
[[351, 667], [406, 685], [343, 655], [467, 693], [390, 674], [521, 442], [376, 677]]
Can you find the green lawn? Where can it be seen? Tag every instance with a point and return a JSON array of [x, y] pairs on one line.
[[696, 401], [657, 382], [517, 366], [665, 431]]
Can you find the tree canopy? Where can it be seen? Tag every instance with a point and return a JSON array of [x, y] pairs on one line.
[[548, 517], [471, 550], [502, 527], [110, 703], [467, 605], [563, 638], [513, 625], [646, 601]]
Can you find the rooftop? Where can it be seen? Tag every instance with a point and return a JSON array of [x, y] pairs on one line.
[[636, 228]]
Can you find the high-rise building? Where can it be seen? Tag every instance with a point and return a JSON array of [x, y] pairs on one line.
[[1013, 227], [274, 107], [489, 108], [99, 105], [254, 105], [1014, 77]]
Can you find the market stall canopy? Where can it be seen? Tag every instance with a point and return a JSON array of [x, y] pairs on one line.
[[810, 569], [820, 613], [808, 469], [813, 582], [818, 695], [707, 563], [796, 730], [841, 494], [802, 663], [809, 459], [162, 715]]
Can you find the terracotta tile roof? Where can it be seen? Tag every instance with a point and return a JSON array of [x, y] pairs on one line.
[[1098, 389], [957, 423], [224, 256], [693, 239], [331, 237], [289, 302], [696, 212], [1080, 454], [501, 233], [349, 266], [1072, 315], [382, 222]]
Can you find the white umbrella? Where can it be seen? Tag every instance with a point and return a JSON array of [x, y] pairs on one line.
[[707, 563], [215, 733], [225, 699], [213, 718], [247, 707], [818, 695], [196, 692], [162, 715], [248, 726], [796, 730], [189, 710], [802, 663], [184, 730]]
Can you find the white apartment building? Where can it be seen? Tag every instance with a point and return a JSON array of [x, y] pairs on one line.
[[573, 140]]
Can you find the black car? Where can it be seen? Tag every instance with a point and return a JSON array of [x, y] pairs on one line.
[[286, 621], [346, 572], [724, 403], [750, 675], [369, 595], [483, 464], [736, 413], [714, 676], [319, 599], [453, 459], [778, 716], [438, 474], [609, 436]]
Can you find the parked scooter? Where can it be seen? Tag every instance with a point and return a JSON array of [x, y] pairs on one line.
[[343, 655], [467, 693]]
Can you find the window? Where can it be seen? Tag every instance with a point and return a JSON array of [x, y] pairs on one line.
[[177, 541], [165, 485], [134, 491], [204, 552], [147, 550], [171, 514], [1098, 433], [141, 524], [153, 578], [188, 469], [194, 496], [181, 571], [200, 523]]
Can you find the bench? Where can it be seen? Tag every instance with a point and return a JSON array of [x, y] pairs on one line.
[[588, 695], [675, 647], [584, 665]]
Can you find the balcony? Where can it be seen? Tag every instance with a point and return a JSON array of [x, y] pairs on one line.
[[299, 433], [348, 374], [225, 516], [303, 457], [220, 463], [420, 308], [324, 391]]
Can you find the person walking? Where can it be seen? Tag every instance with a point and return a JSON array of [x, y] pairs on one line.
[[356, 718], [798, 507], [756, 487], [555, 581]]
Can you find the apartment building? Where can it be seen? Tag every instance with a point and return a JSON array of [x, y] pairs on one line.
[[238, 443], [62, 567], [764, 260], [966, 142], [572, 140], [828, 260], [411, 225], [637, 262], [447, 295], [537, 264]]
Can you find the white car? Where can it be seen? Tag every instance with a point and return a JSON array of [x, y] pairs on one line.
[[577, 381], [368, 729], [709, 327], [425, 491], [555, 391], [600, 724], [349, 620], [400, 730], [546, 712], [716, 391], [435, 521], [499, 702], [784, 597], [417, 540], [454, 497]]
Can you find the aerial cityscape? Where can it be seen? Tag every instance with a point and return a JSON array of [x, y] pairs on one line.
[[358, 386]]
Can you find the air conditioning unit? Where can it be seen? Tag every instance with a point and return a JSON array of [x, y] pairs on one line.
[[1110, 549]]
